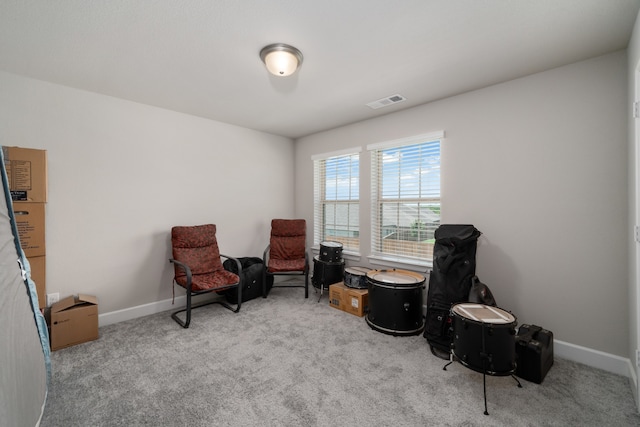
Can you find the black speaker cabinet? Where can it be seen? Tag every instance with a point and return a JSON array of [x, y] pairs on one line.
[[534, 353]]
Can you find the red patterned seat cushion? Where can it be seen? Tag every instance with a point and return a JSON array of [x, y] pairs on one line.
[[218, 280], [280, 265]]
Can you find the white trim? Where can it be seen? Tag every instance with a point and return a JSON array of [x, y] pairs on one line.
[[346, 151], [594, 358], [416, 139], [140, 311]]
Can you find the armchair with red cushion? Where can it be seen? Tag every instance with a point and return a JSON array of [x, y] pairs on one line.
[[198, 268], [286, 253]]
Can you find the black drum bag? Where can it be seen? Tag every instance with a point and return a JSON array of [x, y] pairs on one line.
[[251, 278], [454, 266]]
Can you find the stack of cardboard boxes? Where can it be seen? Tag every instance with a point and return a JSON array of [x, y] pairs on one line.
[[350, 300], [27, 175], [74, 319]]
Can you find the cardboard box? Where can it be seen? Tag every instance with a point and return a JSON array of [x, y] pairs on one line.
[[357, 301], [337, 296], [27, 173], [38, 275], [74, 320], [30, 222]]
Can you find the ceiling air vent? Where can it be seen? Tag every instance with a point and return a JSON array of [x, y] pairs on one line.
[[384, 102]]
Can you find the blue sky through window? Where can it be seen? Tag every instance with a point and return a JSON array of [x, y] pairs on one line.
[[342, 178], [412, 171]]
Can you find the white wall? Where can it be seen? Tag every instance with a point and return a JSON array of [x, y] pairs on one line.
[[121, 174], [539, 165], [633, 54]]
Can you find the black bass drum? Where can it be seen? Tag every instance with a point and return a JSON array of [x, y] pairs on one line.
[[326, 273], [484, 338], [395, 301]]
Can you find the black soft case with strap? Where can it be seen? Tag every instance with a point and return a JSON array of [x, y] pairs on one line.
[[454, 266]]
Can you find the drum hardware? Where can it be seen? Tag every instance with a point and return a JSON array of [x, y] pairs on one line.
[[496, 327]]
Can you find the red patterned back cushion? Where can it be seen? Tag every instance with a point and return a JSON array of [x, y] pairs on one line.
[[197, 247], [288, 227], [288, 239]]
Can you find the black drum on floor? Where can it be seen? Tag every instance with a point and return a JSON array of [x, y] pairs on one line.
[[330, 251], [356, 277], [326, 273], [395, 301], [484, 338]]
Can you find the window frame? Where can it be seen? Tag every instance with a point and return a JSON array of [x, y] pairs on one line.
[[319, 199], [377, 255]]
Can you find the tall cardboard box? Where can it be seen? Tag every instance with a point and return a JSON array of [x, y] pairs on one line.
[[38, 275], [30, 221], [357, 301], [27, 173], [74, 320]]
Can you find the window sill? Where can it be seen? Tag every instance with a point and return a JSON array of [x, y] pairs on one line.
[[397, 262]]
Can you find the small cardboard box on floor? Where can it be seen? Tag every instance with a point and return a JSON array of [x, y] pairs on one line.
[[350, 300], [74, 320], [337, 296], [357, 301]]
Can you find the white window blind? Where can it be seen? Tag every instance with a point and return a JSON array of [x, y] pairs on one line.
[[405, 196], [337, 199]]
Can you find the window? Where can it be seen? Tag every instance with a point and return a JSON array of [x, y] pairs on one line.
[[336, 199], [405, 198]]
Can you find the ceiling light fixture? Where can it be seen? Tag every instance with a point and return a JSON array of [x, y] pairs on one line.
[[281, 59]]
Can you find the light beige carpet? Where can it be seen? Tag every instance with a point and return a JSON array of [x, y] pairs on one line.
[[287, 361]]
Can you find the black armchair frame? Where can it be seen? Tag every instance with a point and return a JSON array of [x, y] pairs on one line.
[[191, 293]]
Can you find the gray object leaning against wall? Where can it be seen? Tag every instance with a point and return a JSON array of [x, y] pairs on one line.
[[24, 346]]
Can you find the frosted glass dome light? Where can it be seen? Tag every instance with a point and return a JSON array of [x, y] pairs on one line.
[[281, 59]]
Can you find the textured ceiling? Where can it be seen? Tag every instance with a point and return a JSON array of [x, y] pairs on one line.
[[200, 57]]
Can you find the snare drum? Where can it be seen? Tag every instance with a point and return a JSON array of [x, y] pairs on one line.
[[356, 277], [484, 338], [326, 273], [330, 251], [395, 301]]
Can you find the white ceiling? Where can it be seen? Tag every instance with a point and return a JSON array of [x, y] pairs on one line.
[[200, 57]]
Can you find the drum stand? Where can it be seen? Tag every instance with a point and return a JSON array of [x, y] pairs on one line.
[[321, 291], [486, 358]]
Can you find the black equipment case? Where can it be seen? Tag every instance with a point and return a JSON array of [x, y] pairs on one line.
[[454, 266], [251, 276], [534, 353]]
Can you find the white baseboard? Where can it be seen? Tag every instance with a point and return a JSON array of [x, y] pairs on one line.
[[140, 311], [594, 358], [601, 360]]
